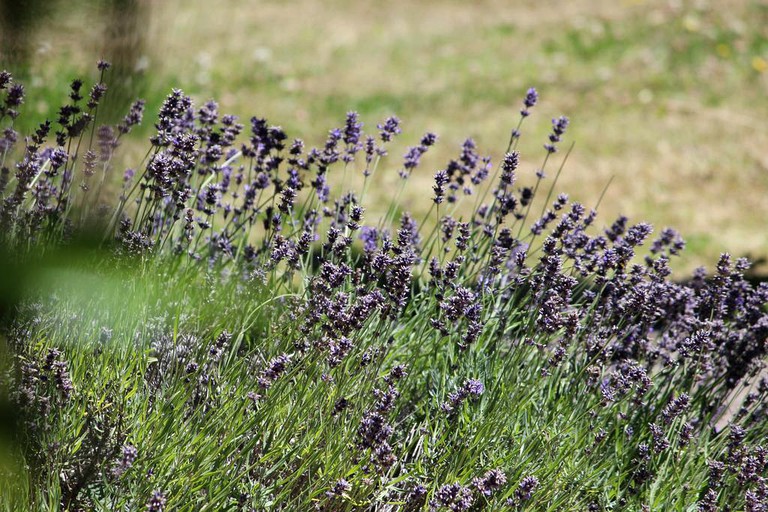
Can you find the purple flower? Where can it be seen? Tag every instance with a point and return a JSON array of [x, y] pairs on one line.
[[352, 129], [686, 433], [5, 79], [526, 488], [660, 441], [208, 114], [15, 96], [508, 168], [471, 388], [389, 128], [8, 140], [531, 97], [170, 117], [490, 482], [127, 459], [413, 155], [370, 237], [275, 368], [441, 180], [558, 129], [428, 139], [351, 136], [339, 488], [157, 502], [474, 388], [709, 502], [674, 408], [97, 92], [128, 175], [373, 430], [415, 497], [56, 364], [454, 497]]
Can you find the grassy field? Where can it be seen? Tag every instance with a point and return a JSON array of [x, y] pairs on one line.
[[667, 99]]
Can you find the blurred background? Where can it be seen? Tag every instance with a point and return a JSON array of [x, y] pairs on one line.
[[669, 99]]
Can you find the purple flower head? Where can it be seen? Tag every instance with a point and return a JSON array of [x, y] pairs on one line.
[[415, 497], [157, 502], [674, 408], [133, 118], [373, 430], [296, 148], [275, 368], [708, 503], [558, 129], [370, 237], [429, 139], [15, 96], [339, 488], [408, 234], [58, 157], [490, 482], [471, 388], [398, 372], [127, 459], [526, 488], [736, 437], [508, 167], [531, 97], [441, 180], [351, 136], [13, 99], [462, 240], [389, 129], [330, 152], [660, 441], [8, 139], [559, 125], [56, 364], [5, 79], [171, 117], [352, 129], [686, 433], [474, 388], [371, 151], [208, 114], [128, 175], [413, 155], [454, 497], [481, 172], [97, 92]]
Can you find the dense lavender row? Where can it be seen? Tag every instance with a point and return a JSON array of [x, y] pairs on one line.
[[271, 348]]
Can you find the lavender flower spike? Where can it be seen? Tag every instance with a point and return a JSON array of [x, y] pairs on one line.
[[531, 97]]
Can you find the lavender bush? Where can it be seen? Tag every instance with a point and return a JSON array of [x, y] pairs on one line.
[[246, 338]]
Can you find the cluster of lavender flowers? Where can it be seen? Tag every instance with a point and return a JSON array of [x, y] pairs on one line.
[[245, 203]]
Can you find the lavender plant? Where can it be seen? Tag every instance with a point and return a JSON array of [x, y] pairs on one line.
[[245, 338]]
